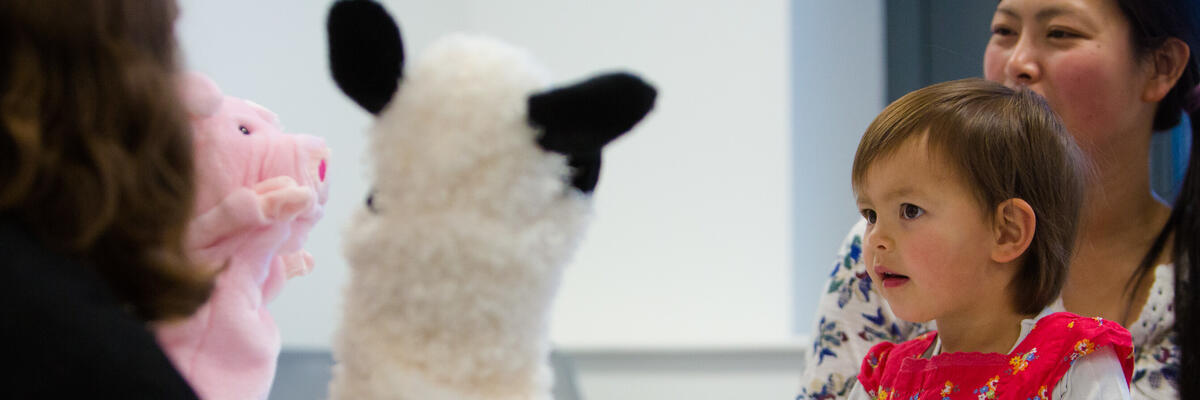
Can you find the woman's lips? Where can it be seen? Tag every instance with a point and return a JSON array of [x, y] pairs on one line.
[[890, 278]]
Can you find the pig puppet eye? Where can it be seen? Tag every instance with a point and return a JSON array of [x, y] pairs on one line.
[[244, 130]]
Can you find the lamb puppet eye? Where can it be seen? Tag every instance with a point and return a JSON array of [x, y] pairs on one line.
[[244, 130], [371, 202]]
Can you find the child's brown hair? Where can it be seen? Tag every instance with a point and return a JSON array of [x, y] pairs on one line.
[[1002, 143]]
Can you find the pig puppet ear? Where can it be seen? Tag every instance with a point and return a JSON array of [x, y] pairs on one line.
[[201, 96]]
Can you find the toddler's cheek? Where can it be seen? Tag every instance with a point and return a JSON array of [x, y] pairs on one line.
[[921, 258]]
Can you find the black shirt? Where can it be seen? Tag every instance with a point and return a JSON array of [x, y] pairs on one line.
[[66, 335]]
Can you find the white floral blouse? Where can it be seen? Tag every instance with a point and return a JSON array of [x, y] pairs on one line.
[[852, 317]]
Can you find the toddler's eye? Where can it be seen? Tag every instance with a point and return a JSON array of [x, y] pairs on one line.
[[909, 211], [244, 130], [869, 214]]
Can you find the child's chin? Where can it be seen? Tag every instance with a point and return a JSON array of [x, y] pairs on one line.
[[911, 315]]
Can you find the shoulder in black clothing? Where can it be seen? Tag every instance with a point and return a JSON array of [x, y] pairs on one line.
[[67, 334]]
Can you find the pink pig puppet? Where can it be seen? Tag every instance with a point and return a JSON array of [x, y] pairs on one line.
[[259, 192]]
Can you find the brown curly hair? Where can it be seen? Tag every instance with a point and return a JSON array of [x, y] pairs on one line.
[[95, 150]]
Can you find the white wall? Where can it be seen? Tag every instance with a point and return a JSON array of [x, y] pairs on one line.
[[694, 238], [692, 210]]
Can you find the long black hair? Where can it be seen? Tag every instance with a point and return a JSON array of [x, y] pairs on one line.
[[1152, 24]]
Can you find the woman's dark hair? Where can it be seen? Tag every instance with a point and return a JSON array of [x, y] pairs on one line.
[[95, 150], [1152, 23]]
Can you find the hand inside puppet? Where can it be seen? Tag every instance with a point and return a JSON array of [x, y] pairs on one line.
[[259, 192]]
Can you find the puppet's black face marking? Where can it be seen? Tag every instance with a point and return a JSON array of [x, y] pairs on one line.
[[578, 120], [585, 171], [585, 167]]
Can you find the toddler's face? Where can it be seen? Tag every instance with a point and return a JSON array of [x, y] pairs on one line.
[[927, 244]]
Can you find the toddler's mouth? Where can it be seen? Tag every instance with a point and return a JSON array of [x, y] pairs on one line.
[[890, 279]]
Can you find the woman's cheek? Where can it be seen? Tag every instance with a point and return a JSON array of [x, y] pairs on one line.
[[1090, 96]]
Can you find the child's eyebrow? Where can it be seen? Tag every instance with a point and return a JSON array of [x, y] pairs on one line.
[[899, 192], [894, 193]]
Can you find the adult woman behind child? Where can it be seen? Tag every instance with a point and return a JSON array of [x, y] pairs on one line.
[[95, 193], [1115, 71]]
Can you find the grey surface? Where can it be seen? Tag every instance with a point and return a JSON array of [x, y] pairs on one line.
[[302, 375], [305, 374]]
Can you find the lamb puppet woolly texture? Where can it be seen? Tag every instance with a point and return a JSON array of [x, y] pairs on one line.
[[481, 191]]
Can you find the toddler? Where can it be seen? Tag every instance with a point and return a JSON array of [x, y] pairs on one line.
[[971, 192]]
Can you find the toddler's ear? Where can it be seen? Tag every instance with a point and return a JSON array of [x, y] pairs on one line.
[[1013, 225]]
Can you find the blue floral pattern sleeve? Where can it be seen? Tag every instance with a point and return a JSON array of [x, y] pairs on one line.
[[851, 317]]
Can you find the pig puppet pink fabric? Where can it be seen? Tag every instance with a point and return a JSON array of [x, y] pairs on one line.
[[259, 192]]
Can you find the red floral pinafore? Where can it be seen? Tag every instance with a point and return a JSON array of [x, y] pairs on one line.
[[1029, 372]]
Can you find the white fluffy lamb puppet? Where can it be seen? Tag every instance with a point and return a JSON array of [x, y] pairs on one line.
[[482, 182]]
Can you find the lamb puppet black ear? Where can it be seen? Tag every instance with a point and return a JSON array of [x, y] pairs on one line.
[[366, 55], [578, 120]]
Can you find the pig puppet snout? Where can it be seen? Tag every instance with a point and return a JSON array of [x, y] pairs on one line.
[[305, 158]]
